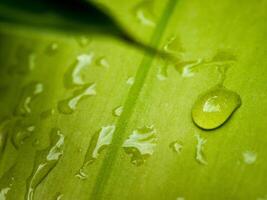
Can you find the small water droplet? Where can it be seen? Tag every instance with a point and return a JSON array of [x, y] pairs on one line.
[[83, 41], [174, 46], [140, 144], [103, 62], [144, 13], [20, 133], [73, 76], [199, 150], [188, 68], [45, 161], [47, 113], [130, 80], [118, 111], [69, 105], [176, 146], [29, 93], [213, 108], [249, 157], [52, 48], [98, 142]]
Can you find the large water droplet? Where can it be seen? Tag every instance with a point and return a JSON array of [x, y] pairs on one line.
[[140, 144], [249, 157], [99, 141], [144, 13], [45, 161], [199, 150], [69, 105], [118, 111], [214, 107], [29, 93], [73, 76]]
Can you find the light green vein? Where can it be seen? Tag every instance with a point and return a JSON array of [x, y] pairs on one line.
[[119, 134]]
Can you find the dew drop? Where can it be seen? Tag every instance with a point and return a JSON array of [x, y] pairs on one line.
[[144, 13], [176, 146], [140, 144], [130, 80], [199, 150], [69, 105], [213, 108], [98, 142], [174, 46], [73, 76], [29, 93], [249, 157], [103, 62], [20, 133], [52, 48], [45, 161], [118, 111]]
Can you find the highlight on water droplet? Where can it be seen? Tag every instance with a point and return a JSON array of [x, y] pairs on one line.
[[69, 105], [103, 62], [199, 150], [118, 111], [141, 144], [130, 80], [98, 142], [73, 76], [143, 11], [249, 157], [176, 146], [213, 108], [45, 161], [29, 93]]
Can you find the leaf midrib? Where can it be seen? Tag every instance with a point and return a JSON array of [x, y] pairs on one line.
[[132, 97]]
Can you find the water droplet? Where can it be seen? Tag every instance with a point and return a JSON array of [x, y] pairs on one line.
[[188, 68], [29, 93], [45, 162], [59, 197], [174, 46], [99, 141], [103, 62], [140, 144], [20, 133], [118, 111], [69, 105], [83, 41], [176, 146], [249, 157], [162, 72], [199, 150], [144, 13], [47, 113], [3, 193], [52, 48], [73, 76], [130, 80], [214, 107]]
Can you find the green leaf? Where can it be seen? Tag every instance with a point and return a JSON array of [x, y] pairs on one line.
[[151, 148]]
